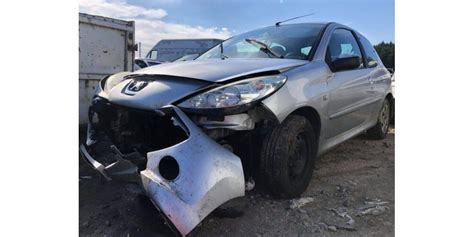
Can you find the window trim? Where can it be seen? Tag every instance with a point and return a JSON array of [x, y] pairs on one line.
[[319, 37], [356, 37], [363, 49]]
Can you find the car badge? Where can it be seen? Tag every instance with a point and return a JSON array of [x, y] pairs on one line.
[[134, 86]]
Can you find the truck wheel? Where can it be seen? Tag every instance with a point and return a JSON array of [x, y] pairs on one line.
[[287, 157], [379, 131]]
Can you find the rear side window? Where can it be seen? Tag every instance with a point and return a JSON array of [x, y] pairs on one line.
[[343, 44], [370, 53]]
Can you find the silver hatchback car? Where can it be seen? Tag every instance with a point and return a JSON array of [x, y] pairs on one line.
[[259, 108]]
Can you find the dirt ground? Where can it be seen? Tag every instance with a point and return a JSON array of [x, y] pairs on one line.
[[352, 190]]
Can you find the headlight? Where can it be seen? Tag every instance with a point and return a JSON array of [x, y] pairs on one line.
[[235, 94]]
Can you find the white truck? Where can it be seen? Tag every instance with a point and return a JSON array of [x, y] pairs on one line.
[[106, 46], [168, 50]]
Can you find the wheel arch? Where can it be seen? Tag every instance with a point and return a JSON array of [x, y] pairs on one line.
[[313, 116], [391, 100]]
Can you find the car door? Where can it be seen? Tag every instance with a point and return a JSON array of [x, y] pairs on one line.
[[349, 90], [379, 77]]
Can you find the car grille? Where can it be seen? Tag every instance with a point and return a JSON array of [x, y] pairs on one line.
[[137, 130]]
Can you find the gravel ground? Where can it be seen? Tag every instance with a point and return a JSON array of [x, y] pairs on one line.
[[352, 192]]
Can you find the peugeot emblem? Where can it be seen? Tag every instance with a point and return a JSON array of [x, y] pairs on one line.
[[134, 86]]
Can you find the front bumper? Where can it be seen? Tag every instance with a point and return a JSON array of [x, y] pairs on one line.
[[208, 176]]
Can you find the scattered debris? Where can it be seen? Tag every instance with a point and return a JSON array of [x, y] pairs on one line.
[[342, 212], [377, 210], [85, 177], [375, 207], [332, 228], [107, 223], [386, 144], [297, 203], [350, 221]]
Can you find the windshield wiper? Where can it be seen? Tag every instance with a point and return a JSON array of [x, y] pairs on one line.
[[264, 47]]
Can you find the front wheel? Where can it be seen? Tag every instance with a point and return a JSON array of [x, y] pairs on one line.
[[379, 131], [287, 157]]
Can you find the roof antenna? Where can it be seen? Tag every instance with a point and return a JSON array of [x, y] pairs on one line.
[[294, 18]]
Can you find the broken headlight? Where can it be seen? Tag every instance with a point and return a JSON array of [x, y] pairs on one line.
[[236, 94]]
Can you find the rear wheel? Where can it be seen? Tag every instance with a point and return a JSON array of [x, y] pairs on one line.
[[379, 131], [287, 158]]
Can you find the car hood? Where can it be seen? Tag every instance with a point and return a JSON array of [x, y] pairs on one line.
[[219, 70], [169, 82]]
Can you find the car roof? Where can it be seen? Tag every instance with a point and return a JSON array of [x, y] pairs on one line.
[[325, 24]]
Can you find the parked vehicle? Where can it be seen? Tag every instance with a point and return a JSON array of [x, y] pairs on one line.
[[168, 50], [141, 63], [262, 105], [106, 46]]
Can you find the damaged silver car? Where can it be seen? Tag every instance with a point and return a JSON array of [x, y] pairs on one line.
[[260, 106]]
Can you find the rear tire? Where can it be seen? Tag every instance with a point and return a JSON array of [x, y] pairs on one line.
[[287, 157], [380, 130]]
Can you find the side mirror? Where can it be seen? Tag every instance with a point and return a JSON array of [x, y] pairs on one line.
[[346, 63]]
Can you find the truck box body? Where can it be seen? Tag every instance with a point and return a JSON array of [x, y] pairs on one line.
[[106, 46]]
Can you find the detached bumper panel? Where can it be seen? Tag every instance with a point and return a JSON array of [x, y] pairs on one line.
[[121, 168], [207, 175]]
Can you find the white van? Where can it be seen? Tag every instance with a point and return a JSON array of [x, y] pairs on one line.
[[168, 50]]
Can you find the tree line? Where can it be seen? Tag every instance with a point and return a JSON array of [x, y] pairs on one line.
[[386, 52]]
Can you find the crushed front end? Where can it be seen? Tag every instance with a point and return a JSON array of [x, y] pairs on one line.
[[191, 143], [184, 172]]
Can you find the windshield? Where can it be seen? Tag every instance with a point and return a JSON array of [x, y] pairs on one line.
[[284, 41]]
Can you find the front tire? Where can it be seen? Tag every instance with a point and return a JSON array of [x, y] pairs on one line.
[[379, 131], [287, 157]]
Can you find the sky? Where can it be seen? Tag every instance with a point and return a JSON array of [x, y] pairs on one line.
[[162, 19]]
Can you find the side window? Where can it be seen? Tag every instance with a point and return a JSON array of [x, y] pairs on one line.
[[152, 55], [370, 53], [343, 44]]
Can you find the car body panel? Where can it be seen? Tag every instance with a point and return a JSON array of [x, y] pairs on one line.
[[218, 70], [158, 92], [350, 103], [317, 79]]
